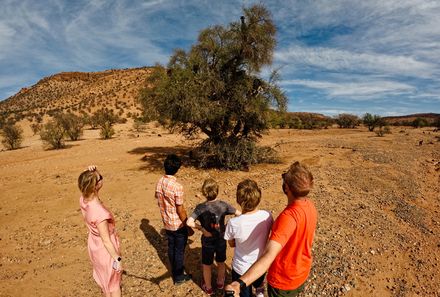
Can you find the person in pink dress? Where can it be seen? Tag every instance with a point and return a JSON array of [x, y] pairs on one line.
[[103, 242]]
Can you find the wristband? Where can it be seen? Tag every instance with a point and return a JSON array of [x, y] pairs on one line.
[[242, 284]]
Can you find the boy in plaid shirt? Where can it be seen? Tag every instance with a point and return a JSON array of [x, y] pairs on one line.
[[169, 194]]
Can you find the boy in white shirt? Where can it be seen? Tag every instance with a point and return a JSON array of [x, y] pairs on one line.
[[248, 233]]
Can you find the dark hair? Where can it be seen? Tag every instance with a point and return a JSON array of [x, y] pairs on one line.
[[172, 164], [248, 195]]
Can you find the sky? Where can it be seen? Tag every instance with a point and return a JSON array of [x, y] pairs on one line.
[[334, 56]]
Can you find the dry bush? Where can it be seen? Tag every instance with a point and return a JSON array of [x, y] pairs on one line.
[[72, 124], [232, 154], [52, 134], [12, 136]]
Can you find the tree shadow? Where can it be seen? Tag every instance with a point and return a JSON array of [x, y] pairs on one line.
[[153, 157]]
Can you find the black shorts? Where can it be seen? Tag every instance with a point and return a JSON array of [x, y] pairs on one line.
[[211, 246]]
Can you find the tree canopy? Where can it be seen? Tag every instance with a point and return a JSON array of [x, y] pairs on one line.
[[216, 87]]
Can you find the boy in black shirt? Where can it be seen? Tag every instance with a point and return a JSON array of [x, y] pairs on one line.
[[211, 216]]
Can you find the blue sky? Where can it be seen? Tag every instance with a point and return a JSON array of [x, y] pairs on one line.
[[355, 56]]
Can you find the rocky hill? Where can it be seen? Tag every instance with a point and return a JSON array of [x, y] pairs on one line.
[[78, 92]]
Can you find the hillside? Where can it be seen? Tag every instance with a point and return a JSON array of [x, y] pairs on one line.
[[78, 92], [429, 117]]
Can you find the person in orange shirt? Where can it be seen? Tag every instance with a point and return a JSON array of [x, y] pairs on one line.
[[288, 254]]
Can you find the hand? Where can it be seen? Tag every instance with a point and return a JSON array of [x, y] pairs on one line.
[[117, 265], [91, 168], [234, 286]]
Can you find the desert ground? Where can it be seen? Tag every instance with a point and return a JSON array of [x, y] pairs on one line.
[[377, 197]]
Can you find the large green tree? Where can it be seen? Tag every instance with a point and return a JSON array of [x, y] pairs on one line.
[[216, 88]]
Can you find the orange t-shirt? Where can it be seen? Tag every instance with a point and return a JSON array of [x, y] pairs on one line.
[[294, 229]]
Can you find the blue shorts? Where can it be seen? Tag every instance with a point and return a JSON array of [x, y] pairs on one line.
[[213, 246]]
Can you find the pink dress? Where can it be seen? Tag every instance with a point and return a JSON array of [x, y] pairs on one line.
[[94, 212]]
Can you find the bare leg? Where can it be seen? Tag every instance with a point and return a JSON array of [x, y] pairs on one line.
[[116, 293], [207, 275], [221, 272]]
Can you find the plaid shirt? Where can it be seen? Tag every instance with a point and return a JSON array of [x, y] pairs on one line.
[[169, 194]]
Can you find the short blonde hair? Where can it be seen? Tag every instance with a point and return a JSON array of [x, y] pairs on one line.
[[210, 189], [87, 182], [299, 179], [248, 195]]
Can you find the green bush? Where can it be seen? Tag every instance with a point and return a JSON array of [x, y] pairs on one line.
[[72, 124], [52, 134], [105, 119], [346, 120], [12, 136]]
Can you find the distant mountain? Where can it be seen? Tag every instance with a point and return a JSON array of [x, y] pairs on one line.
[[79, 91], [430, 117]]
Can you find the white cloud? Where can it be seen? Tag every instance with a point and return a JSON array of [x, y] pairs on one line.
[[354, 90], [347, 61]]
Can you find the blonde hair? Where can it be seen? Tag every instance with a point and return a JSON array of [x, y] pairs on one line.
[[248, 195], [299, 179], [87, 182], [210, 189]]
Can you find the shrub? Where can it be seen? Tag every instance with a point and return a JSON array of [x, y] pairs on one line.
[[138, 125], [345, 120], [232, 154], [419, 123], [52, 134], [12, 136], [36, 127], [105, 119], [372, 121], [72, 124]]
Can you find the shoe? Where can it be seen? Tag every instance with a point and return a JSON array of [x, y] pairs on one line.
[[182, 279], [209, 291], [259, 292], [221, 285]]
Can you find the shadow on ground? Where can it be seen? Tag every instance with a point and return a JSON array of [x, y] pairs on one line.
[[153, 157]]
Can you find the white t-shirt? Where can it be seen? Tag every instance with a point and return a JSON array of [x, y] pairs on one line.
[[250, 232]]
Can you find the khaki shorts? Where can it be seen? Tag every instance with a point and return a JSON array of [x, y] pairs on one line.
[[274, 292]]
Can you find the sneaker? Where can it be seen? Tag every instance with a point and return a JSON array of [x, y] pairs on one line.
[[259, 292], [221, 285], [182, 279], [205, 289]]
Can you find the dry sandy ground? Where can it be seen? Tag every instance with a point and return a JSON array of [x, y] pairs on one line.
[[377, 197]]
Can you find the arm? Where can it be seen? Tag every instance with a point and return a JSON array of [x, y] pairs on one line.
[[273, 248], [181, 212], [192, 223], [105, 237]]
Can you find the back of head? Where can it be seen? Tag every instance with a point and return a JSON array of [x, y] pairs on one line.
[[172, 164], [248, 195], [299, 179], [210, 189], [87, 183]]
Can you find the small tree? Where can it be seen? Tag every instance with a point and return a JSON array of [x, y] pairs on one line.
[[372, 121], [216, 89], [345, 120], [105, 119], [12, 136], [36, 128], [419, 123], [52, 134], [138, 125], [72, 124]]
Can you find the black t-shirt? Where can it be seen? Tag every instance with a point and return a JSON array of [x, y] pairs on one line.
[[211, 215]]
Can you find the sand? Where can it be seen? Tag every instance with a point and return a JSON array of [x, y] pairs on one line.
[[377, 197]]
